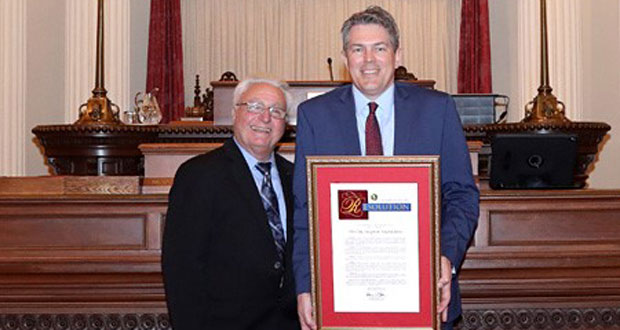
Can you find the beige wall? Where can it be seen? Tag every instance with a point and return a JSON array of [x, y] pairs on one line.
[[503, 26], [139, 44], [44, 73], [601, 63]]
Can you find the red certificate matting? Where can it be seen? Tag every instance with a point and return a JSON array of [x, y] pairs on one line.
[[421, 170]]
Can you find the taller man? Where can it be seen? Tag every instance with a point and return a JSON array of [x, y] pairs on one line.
[[376, 116], [227, 240]]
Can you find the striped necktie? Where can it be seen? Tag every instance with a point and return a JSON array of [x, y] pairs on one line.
[[270, 203]]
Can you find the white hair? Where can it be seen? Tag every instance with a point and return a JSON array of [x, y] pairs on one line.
[[245, 84]]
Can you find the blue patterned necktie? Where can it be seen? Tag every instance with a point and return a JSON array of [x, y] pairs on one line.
[[270, 202]]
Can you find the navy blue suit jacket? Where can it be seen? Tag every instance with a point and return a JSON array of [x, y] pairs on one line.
[[426, 123]]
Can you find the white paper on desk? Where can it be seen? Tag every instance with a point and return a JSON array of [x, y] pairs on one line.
[[376, 260]]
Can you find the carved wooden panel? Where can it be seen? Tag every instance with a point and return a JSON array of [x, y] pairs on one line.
[[544, 250], [63, 254], [73, 232]]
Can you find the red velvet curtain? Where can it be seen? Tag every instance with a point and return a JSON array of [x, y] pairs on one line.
[[165, 58], [475, 49]]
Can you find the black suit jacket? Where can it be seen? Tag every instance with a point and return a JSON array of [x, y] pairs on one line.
[[219, 257]]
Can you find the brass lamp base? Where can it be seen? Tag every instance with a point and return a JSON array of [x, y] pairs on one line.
[[545, 108], [99, 110]]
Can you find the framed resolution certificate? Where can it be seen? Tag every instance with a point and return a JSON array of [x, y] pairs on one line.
[[374, 241]]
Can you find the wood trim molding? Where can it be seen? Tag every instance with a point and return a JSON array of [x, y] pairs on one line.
[[125, 321], [541, 318]]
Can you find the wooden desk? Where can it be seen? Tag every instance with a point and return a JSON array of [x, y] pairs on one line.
[[545, 260], [540, 260], [81, 262]]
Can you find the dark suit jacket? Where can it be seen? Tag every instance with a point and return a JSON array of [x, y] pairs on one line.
[[426, 123], [219, 257]]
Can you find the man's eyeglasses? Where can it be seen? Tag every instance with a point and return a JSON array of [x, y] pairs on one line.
[[258, 108]]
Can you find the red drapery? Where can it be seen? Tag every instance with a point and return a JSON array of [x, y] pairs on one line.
[[475, 50], [165, 58]]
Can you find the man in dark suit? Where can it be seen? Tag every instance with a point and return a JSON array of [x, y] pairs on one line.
[[228, 236], [376, 116]]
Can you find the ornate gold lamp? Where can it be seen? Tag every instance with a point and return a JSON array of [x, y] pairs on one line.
[[546, 115], [99, 109], [545, 108]]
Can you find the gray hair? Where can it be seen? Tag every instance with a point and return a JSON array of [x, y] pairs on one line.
[[372, 15], [245, 84]]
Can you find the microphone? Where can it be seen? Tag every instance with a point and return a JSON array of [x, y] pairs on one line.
[[331, 72]]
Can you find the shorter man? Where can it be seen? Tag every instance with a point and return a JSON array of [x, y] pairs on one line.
[[228, 235]]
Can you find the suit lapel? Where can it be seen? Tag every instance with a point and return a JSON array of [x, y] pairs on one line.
[[404, 120], [249, 194], [345, 115]]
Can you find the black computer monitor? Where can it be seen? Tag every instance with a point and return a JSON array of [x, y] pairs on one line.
[[533, 161]]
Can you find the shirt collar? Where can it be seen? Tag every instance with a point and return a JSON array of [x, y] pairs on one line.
[[385, 102], [251, 160]]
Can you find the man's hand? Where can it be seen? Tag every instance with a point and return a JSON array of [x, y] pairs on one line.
[[444, 284], [304, 311]]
